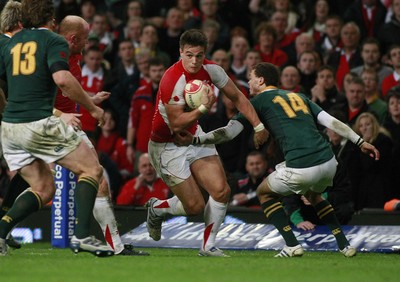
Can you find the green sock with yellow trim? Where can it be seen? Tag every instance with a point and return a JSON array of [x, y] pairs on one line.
[[85, 195], [276, 215], [27, 203], [327, 215]]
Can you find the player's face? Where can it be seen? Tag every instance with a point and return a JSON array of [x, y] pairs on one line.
[[79, 41], [254, 84], [192, 58], [366, 128]]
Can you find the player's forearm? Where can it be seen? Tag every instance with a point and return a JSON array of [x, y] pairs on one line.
[[74, 91], [339, 127], [246, 108], [220, 135], [184, 120]]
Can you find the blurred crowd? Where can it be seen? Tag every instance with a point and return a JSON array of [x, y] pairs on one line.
[[343, 55]]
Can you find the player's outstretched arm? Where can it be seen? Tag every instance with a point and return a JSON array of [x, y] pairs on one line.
[[217, 136], [344, 130]]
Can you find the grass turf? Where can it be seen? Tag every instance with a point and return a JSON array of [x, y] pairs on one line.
[[40, 262]]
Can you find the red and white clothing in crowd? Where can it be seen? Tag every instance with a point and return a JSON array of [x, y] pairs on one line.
[[343, 68], [129, 196], [390, 81], [115, 147], [92, 82], [141, 115], [171, 92]]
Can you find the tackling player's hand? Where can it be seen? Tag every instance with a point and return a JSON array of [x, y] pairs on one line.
[[209, 99], [72, 119], [260, 138], [100, 97], [370, 149], [98, 113]]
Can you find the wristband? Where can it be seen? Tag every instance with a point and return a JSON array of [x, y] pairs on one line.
[[259, 127], [57, 113], [203, 109], [360, 142], [196, 140]]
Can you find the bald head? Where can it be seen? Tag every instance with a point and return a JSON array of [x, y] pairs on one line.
[[75, 30], [72, 24]]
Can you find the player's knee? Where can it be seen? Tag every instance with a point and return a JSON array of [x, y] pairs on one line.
[[95, 171], [46, 194], [222, 195]]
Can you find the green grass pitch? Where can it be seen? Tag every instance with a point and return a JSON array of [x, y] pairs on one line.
[[40, 262]]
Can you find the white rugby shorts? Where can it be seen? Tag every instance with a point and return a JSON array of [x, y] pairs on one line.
[[286, 180], [49, 139], [172, 162]]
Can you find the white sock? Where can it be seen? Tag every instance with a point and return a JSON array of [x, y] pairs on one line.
[[171, 206], [104, 214], [214, 214]]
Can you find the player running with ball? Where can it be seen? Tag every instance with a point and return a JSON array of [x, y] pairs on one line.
[[188, 169]]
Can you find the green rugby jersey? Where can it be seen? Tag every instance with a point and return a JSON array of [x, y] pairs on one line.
[[28, 59], [291, 120], [3, 40]]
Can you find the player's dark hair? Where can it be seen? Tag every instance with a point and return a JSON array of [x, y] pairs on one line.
[[36, 13], [269, 72], [193, 37]]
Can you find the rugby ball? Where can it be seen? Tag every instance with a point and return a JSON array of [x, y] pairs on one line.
[[195, 90]]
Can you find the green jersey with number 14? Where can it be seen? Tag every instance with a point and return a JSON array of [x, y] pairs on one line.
[[291, 120]]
